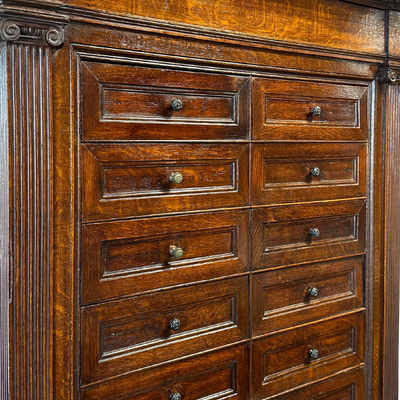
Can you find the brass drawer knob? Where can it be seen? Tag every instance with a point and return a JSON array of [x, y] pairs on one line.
[[176, 105], [175, 324], [316, 111], [314, 232], [175, 396], [315, 171], [314, 354], [314, 292], [175, 252], [176, 177]]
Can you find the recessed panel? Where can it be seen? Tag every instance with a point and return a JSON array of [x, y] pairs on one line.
[[345, 386], [293, 358], [305, 110], [294, 172], [300, 233], [127, 257], [124, 180], [134, 333], [128, 102], [292, 296], [215, 375]]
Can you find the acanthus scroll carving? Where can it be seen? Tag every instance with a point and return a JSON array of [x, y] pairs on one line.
[[388, 75], [12, 30]]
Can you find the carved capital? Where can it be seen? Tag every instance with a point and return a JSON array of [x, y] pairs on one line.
[[13, 30], [388, 75]]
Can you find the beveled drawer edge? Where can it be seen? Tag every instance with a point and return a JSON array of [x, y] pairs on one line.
[[258, 271], [359, 310], [357, 368], [176, 360]]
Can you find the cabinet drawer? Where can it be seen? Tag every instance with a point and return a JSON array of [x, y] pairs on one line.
[[296, 234], [294, 172], [128, 257], [125, 102], [135, 333], [287, 110], [217, 375], [123, 180], [297, 295], [347, 386], [300, 356]]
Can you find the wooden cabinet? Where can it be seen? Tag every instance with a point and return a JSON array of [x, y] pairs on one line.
[[201, 199]]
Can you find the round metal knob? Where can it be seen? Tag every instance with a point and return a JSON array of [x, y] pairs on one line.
[[176, 177], [315, 171], [314, 232], [175, 252], [176, 105], [316, 111], [175, 324], [314, 292], [314, 354], [175, 396]]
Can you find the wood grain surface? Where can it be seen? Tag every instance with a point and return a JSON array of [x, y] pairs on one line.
[[329, 23]]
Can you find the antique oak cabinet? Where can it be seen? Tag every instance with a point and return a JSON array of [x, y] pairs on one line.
[[200, 199]]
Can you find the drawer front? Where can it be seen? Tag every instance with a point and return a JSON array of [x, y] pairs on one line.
[[126, 257], [297, 295], [347, 386], [123, 180], [294, 172], [217, 375], [134, 333], [297, 234], [124, 102], [284, 361], [300, 110]]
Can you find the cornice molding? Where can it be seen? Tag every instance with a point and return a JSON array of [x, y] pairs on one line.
[[13, 30]]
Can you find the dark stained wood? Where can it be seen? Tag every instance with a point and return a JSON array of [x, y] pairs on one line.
[[127, 257], [123, 180], [65, 224], [217, 374], [281, 297], [127, 335], [281, 172], [93, 285], [130, 102], [332, 24], [282, 361], [31, 220], [5, 237], [281, 234], [347, 386], [282, 110], [391, 274], [188, 49]]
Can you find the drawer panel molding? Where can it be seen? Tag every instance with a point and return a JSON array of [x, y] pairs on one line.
[[293, 358], [127, 257], [124, 180], [346, 386], [135, 333], [216, 375], [303, 110], [295, 172], [127, 102], [292, 296], [296, 234]]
